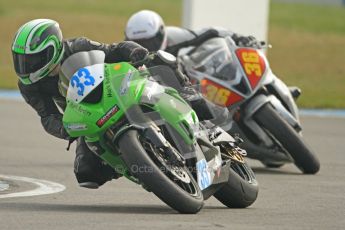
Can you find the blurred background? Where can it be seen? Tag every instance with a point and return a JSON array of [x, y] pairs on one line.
[[308, 37]]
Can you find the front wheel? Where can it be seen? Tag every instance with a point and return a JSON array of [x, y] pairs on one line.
[[288, 138], [241, 190], [174, 185]]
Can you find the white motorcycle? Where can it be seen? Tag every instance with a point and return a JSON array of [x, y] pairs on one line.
[[263, 108]]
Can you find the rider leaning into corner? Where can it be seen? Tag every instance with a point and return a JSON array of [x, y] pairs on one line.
[[147, 28], [38, 51]]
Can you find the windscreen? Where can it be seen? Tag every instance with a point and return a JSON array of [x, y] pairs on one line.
[[214, 58], [80, 72]]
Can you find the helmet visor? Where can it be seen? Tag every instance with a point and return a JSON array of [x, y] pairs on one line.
[[154, 43], [25, 64]]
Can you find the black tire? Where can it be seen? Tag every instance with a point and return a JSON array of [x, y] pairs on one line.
[[241, 189], [303, 156], [136, 157], [273, 165]]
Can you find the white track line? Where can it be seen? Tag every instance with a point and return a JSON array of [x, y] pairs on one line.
[[44, 187], [3, 186]]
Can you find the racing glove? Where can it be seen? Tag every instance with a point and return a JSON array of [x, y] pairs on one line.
[[246, 41], [138, 54]]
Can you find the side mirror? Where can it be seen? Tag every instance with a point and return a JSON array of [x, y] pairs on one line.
[[166, 57]]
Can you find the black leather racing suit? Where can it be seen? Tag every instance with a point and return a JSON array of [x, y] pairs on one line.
[[45, 98], [178, 38]]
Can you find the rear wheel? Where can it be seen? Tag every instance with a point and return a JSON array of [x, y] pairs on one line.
[[288, 138], [173, 184]]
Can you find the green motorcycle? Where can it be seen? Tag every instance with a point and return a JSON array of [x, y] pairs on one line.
[[150, 135]]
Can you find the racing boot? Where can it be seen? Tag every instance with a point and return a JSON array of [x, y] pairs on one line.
[[90, 170]]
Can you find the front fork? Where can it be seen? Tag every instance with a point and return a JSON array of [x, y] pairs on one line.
[[248, 110]]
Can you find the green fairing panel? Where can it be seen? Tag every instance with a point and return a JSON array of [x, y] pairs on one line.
[[122, 87], [178, 114], [168, 103]]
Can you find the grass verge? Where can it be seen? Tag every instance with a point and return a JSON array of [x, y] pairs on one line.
[[308, 40]]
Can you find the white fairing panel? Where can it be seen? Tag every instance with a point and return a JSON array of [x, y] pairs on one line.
[[83, 81]]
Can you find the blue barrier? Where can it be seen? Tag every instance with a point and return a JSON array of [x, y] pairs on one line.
[[15, 95], [10, 94]]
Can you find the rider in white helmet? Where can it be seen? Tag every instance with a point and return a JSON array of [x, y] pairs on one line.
[[147, 28]]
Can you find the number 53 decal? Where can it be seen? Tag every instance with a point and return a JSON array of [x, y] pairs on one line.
[[81, 79], [84, 81]]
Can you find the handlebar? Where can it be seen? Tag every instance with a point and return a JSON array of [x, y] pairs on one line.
[[157, 58], [265, 45]]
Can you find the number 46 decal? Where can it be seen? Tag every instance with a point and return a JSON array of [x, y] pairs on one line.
[[81, 79]]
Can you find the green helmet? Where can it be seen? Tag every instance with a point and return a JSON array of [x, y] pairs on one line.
[[37, 49]]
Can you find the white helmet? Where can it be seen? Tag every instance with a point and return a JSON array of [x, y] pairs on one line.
[[147, 29]]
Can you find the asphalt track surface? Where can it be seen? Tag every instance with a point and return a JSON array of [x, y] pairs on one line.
[[287, 199]]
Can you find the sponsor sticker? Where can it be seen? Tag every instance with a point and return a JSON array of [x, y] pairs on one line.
[[126, 83], [108, 89], [76, 126], [111, 112]]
